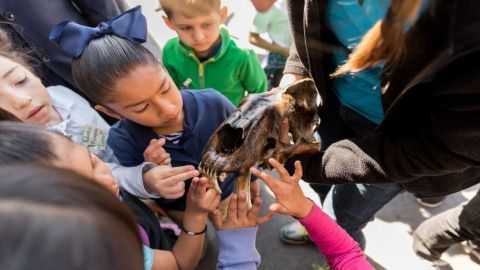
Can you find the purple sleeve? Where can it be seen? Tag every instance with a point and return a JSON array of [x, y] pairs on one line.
[[237, 249], [143, 235], [341, 251]]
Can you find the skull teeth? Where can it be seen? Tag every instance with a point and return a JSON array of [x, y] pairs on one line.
[[213, 176]]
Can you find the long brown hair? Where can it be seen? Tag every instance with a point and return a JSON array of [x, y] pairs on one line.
[[384, 40], [10, 51]]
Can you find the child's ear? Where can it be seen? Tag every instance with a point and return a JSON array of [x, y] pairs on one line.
[[108, 111], [223, 14], [168, 22]]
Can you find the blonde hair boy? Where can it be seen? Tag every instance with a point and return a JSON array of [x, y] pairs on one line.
[[190, 8], [204, 55]]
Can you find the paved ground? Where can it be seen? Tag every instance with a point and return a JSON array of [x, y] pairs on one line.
[[388, 236]]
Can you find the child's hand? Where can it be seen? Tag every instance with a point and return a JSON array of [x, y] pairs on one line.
[[238, 216], [289, 195], [103, 176], [168, 182], [156, 154], [254, 189], [201, 198]]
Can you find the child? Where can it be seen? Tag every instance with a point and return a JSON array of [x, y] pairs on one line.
[[23, 95], [204, 55], [22, 144], [129, 83], [63, 221], [271, 18]]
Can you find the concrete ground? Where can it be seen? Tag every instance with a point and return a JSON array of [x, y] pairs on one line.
[[389, 236]]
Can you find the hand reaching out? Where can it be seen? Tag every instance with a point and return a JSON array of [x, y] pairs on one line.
[[201, 198], [289, 196], [238, 215], [168, 182], [156, 154]]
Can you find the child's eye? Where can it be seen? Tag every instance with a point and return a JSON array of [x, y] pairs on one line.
[[142, 109], [185, 28], [23, 81], [166, 90], [207, 25]]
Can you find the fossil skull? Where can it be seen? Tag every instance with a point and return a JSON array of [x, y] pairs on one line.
[[250, 136]]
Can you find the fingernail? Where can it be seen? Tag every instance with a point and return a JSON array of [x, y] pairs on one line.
[[196, 173]]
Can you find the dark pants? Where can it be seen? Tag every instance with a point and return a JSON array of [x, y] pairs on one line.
[[274, 69], [352, 206], [436, 234]]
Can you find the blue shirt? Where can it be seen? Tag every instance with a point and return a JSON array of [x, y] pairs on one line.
[[204, 111], [349, 21]]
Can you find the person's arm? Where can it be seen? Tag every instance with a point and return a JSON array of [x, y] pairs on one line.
[[341, 251], [237, 233], [97, 11], [258, 41], [187, 250], [294, 69], [437, 134]]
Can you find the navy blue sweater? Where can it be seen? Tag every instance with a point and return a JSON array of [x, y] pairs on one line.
[[204, 111]]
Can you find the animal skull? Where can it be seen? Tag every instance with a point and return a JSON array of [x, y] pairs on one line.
[[250, 136]]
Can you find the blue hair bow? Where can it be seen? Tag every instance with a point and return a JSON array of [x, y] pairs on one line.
[[72, 38]]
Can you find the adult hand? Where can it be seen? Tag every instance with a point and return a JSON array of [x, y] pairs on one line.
[[284, 135], [238, 215], [290, 199], [289, 78], [168, 182], [156, 154]]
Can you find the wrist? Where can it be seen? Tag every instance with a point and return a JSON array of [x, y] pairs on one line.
[[146, 176], [304, 209], [194, 221]]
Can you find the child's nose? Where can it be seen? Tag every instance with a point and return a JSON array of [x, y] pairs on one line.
[[198, 35]]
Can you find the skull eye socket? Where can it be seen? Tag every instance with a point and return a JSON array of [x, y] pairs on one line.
[[231, 139]]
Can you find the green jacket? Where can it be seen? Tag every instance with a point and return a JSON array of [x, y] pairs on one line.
[[232, 71]]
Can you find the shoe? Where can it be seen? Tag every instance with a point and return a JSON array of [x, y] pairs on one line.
[[472, 250], [430, 202], [294, 233]]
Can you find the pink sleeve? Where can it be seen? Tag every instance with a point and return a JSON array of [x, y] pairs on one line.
[[341, 251]]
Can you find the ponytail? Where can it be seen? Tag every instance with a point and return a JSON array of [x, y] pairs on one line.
[[384, 40]]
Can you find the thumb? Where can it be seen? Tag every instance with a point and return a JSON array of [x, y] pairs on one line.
[[217, 219], [278, 208], [284, 128]]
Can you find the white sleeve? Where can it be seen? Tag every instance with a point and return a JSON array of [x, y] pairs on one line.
[[131, 179]]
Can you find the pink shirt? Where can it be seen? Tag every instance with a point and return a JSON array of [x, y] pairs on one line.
[[341, 251]]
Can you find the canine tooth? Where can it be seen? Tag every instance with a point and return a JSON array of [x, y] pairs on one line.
[[217, 187]]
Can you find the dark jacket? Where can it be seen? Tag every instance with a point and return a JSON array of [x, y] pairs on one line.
[[204, 112], [429, 140], [30, 22]]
